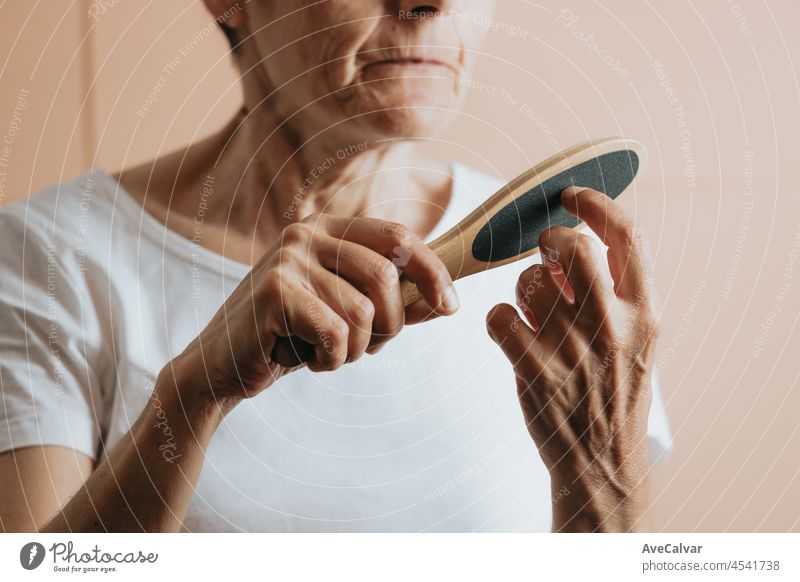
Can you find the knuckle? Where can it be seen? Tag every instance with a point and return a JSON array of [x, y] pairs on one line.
[[529, 281], [272, 287], [313, 219], [584, 249], [399, 234], [385, 275], [338, 331], [362, 311], [628, 231], [287, 255], [297, 232]]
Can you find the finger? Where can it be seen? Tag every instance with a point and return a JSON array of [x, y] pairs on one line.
[[292, 352], [417, 312], [420, 311], [371, 274], [527, 285], [516, 339], [401, 245], [351, 305], [301, 314], [628, 255], [583, 262], [541, 295], [559, 276]]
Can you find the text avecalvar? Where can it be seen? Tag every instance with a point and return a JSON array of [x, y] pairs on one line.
[[671, 549]]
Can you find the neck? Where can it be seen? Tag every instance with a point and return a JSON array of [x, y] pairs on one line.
[[266, 178], [277, 180], [286, 171], [258, 174]]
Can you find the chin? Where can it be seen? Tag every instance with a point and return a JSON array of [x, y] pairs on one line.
[[393, 108], [407, 123]]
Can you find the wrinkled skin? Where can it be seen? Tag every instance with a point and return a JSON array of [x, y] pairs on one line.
[[583, 364]]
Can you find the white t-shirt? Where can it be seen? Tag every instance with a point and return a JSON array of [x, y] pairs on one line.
[[96, 296]]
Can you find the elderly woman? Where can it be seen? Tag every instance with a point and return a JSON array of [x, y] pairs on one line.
[[140, 315]]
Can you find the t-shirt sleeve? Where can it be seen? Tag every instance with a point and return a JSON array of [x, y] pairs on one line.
[[659, 435], [50, 355]]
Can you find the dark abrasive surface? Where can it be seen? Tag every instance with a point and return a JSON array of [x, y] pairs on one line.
[[515, 229]]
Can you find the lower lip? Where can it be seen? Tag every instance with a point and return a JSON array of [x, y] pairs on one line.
[[408, 68]]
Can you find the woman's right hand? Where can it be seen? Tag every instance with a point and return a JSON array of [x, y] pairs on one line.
[[331, 282]]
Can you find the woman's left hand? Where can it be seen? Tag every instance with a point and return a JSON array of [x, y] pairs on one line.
[[584, 365]]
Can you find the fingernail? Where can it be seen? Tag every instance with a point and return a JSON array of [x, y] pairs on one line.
[[376, 348], [526, 311], [450, 300], [553, 266], [573, 190]]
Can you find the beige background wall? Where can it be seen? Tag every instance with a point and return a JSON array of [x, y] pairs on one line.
[[719, 199]]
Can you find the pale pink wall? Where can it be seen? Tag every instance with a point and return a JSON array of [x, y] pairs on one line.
[[725, 224], [40, 96], [725, 241]]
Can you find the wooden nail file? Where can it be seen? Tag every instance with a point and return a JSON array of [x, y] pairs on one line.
[[506, 228]]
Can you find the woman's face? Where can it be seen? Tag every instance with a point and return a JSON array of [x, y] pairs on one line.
[[365, 69]]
